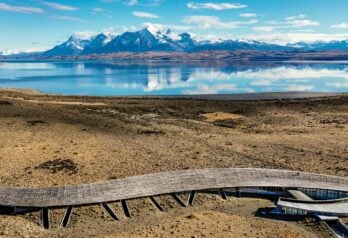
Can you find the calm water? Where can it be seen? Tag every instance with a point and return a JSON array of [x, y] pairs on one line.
[[172, 78]]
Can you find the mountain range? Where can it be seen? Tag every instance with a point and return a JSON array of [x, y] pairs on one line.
[[156, 41]]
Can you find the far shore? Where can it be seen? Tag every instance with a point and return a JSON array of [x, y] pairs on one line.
[[217, 97], [214, 55]]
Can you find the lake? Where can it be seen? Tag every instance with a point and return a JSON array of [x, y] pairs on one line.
[[107, 78]]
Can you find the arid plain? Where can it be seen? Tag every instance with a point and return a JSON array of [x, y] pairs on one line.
[[51, 140]]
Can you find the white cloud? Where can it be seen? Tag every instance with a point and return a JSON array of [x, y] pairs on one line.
[[211, 37], [145, 15], [303, 23], [27, 50], [300, 21], [282, 38], [248, 15], [108, 1], [155, 27], [211, 89], [98, 9], [299, 88], [298, 17], [147, 3], [263, 28], [207, 22], [343, 26], [116, 30], [132, 2], [21, 9], [84, 35], [295, 22], [61, 7], [338, 84], [69, 18], [101, 11], [215, 6]]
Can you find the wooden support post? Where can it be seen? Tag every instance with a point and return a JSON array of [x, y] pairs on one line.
[[237, 192], [223, 194], [178, 200], [191, 198], [109, 210], [66, 218], [45, 218], [125, 208], [156, 204]]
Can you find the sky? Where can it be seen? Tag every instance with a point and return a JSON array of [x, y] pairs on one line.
[[35, 25]]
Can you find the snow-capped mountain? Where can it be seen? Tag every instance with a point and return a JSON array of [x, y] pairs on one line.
[[322, 46], [73, 46], [77, 45], [97, 43], [145, 40], [149, 39], [233, 45]]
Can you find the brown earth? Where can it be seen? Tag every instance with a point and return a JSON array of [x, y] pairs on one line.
[[50, 140]]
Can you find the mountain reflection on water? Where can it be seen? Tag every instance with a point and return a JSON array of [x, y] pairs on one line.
[[173, 78]]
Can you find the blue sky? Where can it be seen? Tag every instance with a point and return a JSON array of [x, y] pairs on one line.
[[28, 25]]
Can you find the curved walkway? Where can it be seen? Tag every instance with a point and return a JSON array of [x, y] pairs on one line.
[[165, 183], [338, 207]]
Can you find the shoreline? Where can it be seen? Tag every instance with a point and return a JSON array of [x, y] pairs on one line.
[[263, 96], [240, 55]]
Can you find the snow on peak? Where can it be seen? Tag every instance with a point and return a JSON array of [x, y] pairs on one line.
[[83, 35], [9, 52], [161, 32], [109, 37]]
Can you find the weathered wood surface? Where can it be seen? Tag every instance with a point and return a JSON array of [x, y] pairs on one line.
[[165, 183], [335, 207]]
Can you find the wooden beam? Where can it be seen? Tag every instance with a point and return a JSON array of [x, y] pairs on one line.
[[191, 198], [45, 218], [237, 192], [178, 200], [126, 209], [109, 210], [223, 194], [156, 204], [66, 218]]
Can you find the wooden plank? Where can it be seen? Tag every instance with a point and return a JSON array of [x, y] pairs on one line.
[[109, 210]]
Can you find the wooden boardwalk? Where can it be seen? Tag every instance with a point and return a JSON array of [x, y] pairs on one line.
[[165, 183], [331, 207]]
